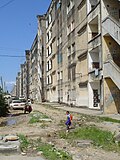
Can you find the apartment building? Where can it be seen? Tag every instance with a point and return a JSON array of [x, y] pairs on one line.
[[21, 71], [24, 80], [75, 56], [51, 58], [18, 85], [66, 52], [78, 53], [42, 56], [34, 70]]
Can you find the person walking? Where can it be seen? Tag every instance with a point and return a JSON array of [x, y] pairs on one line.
[[68, 122]]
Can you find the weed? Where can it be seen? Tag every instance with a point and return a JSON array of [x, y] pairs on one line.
[[24, 143], [48, 151], [108, 119], [52, 153], [36, 117], [100, 138]]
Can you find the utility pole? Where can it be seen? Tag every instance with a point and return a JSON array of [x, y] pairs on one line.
[[1, 83]]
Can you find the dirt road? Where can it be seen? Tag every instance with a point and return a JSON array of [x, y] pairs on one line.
[[49, 131]]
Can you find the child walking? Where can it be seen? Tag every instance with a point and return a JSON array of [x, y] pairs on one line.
[[68, 122]]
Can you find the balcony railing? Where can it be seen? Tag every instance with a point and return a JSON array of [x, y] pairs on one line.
[[95, 75], [95, 42], [94, 12]]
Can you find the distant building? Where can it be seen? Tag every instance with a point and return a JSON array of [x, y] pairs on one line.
[[13, 92]]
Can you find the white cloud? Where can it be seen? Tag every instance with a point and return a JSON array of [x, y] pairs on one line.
[[10, 83]]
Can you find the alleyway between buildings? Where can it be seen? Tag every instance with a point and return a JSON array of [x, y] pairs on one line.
[[48, 128]]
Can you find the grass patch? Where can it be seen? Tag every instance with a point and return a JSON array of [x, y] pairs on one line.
[[107, 119], [52, 153], [48, 150], [37, 116], [24, 143], [89, 118], [100, 138]]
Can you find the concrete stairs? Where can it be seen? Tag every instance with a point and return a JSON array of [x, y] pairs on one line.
[[112, 27], [111, 70]]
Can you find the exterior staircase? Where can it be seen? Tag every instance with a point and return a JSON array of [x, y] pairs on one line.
[[112, 27], [111, 70]]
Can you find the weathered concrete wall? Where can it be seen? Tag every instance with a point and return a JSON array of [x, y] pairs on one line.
[[111, 97]]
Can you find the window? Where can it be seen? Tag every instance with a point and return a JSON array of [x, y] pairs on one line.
[[73, 73], [50, 49], [95, 65], [69, 50], [47, 79], [59, 4], [50, 79], [68, 29], [46, 23], [72, 25], [59, 57], [50, 18], [47, 54], [60, 39], [73, 47], [70, 6], [49, 65], [61, 74], [69, 74], [47, 38], [50, 35], [58, 75]]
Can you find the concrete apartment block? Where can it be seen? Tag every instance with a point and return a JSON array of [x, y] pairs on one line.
[[75, 56]]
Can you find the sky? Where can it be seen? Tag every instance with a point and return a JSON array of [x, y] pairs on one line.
[[18, 27]]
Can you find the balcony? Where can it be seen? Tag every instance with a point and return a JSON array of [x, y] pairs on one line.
[[94, 42], [94, 12], [95, 75]]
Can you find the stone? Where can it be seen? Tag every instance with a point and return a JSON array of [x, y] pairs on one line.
[[117, 138], [84, 143], [77, 157], [10, 147], [45, 120], [23, 153], [10, 138], [39, 153]]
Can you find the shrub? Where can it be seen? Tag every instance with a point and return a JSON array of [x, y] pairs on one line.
[[3, 106]]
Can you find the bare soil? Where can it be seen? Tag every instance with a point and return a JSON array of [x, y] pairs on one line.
[[49, 132]]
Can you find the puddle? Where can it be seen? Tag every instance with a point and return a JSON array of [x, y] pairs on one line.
[[9, 122]]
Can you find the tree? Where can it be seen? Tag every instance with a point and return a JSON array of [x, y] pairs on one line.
[[3, 106]]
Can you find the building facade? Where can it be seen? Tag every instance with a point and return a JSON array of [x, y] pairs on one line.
[[75, 56]]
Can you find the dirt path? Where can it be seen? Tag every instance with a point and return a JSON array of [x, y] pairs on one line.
[[48, 133]]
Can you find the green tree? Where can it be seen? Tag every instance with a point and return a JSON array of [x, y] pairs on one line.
[[3, 106]]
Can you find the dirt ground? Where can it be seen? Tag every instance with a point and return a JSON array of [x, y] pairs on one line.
[[48, 133]]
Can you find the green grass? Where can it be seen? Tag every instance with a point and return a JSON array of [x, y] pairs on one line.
[[52, 153], [24, 143], [48, 151], [100, 138], [36, 117], [107, 119]]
